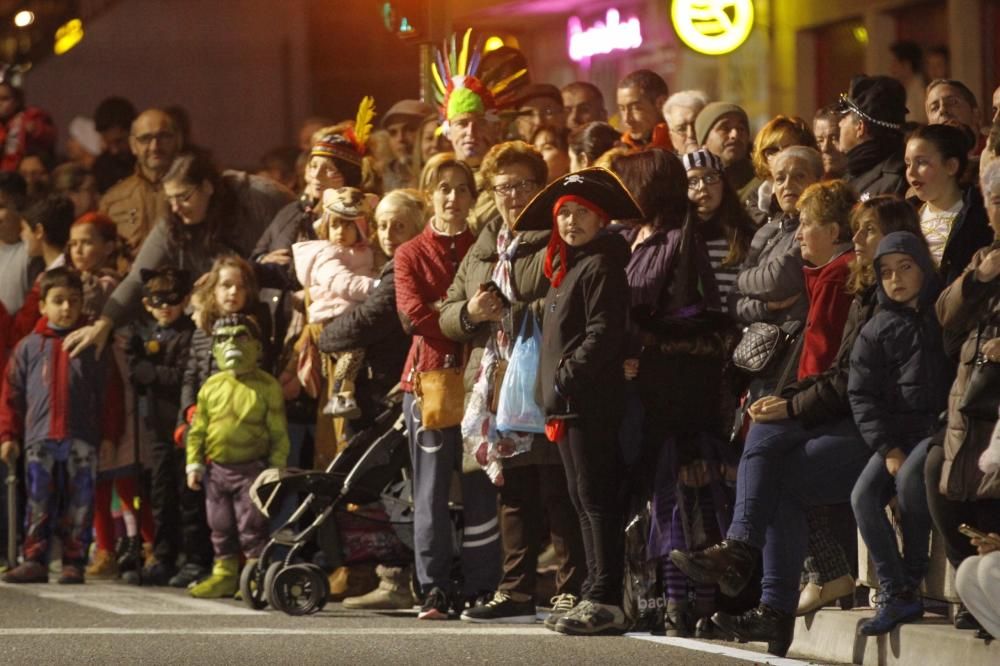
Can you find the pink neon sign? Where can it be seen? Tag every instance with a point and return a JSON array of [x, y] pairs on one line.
[[603, 37]]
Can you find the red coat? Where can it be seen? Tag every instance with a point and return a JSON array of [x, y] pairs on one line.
[[829, 304], [425, 268], [29, 130]]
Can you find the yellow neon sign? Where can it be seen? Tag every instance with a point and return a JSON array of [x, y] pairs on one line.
[[712, 27], [68, 35]]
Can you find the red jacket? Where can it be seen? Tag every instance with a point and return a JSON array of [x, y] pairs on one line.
[[29, 130], [829, 303], [48, 395], [425, 268]]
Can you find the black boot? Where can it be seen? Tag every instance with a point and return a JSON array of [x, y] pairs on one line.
[[728, 564], [760, 624], [130, 554]]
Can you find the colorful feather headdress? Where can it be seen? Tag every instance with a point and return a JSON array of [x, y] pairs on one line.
[[349, 145], [457, 88]]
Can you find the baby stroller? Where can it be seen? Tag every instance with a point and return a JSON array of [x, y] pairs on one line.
[[368, 466]]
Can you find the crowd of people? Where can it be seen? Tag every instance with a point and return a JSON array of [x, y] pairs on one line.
[[684, 363]]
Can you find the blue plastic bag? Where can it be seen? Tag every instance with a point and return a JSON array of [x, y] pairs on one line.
[[517, 409]]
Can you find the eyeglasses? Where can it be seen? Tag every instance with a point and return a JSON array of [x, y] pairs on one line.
[[146, 139], [511, 189], [687, 129], [181, 198], [708, 179]]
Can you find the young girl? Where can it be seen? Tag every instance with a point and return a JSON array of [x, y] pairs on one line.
[[229, 288], [93, 241], [898, 385], [338, 272], [952, 216], [580, 371]]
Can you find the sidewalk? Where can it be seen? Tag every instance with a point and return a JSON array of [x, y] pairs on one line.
[[831, 635]]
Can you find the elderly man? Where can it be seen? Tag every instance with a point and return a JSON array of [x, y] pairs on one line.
[[137, 203], [640, 98], [724, 130], [540, 105], [583, 103], [873, 113], [680, 111], [401, 123]]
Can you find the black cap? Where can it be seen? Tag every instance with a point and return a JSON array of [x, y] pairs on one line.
[[595, 184], [880, 100]]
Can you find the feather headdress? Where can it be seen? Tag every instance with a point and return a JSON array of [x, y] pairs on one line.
[[350, 144], [457, 86]]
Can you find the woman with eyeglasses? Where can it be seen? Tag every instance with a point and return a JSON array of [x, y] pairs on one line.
[[495, 289], [211, 214], [779, 133]]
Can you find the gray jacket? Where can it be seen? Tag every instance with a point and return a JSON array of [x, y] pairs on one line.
[[772, 272]]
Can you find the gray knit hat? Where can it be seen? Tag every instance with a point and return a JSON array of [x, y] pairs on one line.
[[710, 115]]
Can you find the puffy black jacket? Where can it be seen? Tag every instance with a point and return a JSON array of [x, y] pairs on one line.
[[900, 376], [969, 232], [374, 326], [583, 334]]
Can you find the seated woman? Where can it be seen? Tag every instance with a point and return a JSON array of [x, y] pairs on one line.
[[958, 491], [779, 473]]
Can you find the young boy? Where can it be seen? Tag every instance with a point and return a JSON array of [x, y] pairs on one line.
[[157, 355], [581, 371], [61, 408], [897, 387], [239, 429]]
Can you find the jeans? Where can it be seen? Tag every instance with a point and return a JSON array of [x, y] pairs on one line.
[[874, 489], [436, 455], [820, 471], [762, 471]]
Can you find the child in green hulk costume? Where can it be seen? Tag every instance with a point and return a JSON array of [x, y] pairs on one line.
[[239, 429]]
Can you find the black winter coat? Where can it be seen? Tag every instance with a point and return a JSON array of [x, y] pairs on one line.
[[969, 232], [373, 325], [583, 334], [164, 350]]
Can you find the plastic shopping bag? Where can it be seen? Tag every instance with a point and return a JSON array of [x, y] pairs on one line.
[[517, 410]]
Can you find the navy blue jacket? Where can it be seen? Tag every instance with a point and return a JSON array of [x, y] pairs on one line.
[[899, 379]]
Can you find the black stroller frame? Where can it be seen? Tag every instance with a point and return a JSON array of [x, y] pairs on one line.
[[368, 464]]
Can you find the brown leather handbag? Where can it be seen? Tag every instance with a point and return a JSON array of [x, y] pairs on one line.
[[440, 393]]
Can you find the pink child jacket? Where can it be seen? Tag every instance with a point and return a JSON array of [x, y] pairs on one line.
[[337, 278]]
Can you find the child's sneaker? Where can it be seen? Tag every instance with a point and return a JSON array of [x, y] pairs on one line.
[[72, 574], [103, 565], [502, 609], [435, 606], [561, 604], [894, 610], [590, 617], [342, 405], [27, 572], [190, 573]]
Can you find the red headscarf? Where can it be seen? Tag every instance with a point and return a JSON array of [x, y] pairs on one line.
[[557, 245]]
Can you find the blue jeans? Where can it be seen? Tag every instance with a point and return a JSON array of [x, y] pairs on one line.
[[874, 489], [823, 470], [763, 471]]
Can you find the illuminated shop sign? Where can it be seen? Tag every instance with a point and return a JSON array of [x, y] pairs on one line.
[[606, 36], [712, 27]]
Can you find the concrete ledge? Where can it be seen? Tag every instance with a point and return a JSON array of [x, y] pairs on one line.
[[831, 635]]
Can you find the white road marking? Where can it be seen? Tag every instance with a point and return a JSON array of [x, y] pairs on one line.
[[460, 630], [724, 650], [123, 600]]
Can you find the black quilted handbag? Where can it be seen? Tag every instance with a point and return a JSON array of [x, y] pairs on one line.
[[761, 344]]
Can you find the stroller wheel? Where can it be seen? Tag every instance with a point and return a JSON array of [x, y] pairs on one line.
[[321, 575], [269, 575], [297, 590], [252, 587]]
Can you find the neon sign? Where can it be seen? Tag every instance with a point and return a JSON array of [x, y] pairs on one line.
[[603, 37], [712, 27]]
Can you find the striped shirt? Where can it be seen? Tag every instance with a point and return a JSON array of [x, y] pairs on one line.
[[725, 276]]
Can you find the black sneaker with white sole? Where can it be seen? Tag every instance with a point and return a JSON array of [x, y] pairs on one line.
[[436, 605], [502, 609]]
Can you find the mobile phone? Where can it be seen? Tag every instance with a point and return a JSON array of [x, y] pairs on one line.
[[971, 531], [495, 288]]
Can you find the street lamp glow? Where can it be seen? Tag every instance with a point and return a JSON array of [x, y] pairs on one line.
[[24, 18]]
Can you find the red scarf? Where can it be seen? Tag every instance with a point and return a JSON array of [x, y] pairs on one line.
[[557, 245]]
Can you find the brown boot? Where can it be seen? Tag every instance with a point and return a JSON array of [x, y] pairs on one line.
[[728, 564], [103, 565], [352, 581], [392, 593]]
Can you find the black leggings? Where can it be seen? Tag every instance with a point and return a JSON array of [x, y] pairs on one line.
[[592, 459], [949, 514]]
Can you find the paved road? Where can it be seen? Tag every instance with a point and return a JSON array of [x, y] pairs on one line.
[[108, 623]]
